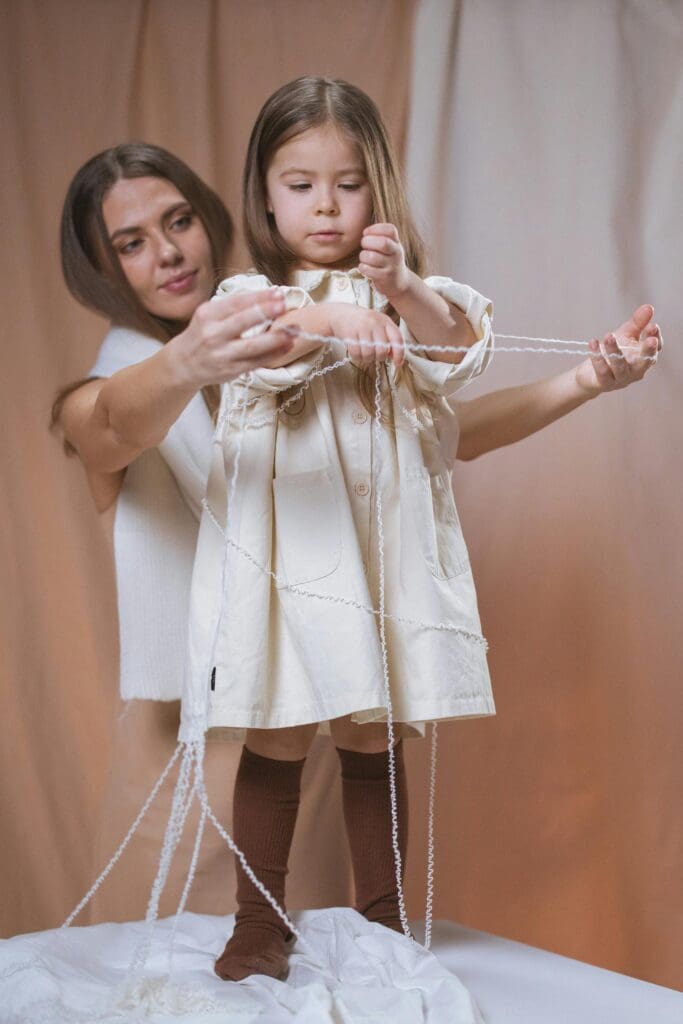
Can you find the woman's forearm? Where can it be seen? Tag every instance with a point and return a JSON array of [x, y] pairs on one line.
[[139, 405], [504, 417]]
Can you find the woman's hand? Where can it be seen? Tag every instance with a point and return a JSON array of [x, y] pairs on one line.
[[383, 261], [369, 336], [211, 350], [636, 339]]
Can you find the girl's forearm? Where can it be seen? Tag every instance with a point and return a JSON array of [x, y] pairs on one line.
[[311, 320], [432, 320], [504, 417]]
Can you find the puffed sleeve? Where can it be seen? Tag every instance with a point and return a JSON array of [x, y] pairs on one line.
[[264, 380], [447, 378]]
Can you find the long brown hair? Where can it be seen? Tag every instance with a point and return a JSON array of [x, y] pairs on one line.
[[90, 264], [311, 102]]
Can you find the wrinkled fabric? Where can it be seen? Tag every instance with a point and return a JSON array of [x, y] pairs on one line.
[[344, 971]]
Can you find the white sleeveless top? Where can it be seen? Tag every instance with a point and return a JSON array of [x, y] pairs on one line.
[[155, 535]]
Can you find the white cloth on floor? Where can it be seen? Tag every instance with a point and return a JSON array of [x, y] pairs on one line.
[[345, 971]]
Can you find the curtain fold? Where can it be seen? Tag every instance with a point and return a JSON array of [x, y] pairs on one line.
[[544, 163]]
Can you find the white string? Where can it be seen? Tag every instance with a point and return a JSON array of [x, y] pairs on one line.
[[581, 348], [199, 753], [192, 762], [295, 588], [430, 842], [129, 835], [377, 427]]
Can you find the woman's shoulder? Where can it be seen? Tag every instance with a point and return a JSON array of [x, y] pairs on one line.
[[121, 347]]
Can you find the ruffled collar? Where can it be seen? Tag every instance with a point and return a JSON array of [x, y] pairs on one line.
[[311, 280]]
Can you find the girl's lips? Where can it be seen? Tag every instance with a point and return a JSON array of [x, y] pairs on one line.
[[326, 236], [179, 285]]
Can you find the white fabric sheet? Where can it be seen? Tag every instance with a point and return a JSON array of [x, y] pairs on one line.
[[345, 971], [370, 974]]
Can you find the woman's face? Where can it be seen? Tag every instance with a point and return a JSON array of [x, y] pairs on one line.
[[162, 246]]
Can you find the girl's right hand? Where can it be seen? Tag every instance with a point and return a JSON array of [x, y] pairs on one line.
[[370, 336], [211, 349]]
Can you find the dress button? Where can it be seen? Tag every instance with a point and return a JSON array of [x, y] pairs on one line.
[[361, 488], [343, 283], [360, 416]]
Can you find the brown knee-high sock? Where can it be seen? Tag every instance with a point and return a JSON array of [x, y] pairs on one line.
[[367, 812], [265, 807]]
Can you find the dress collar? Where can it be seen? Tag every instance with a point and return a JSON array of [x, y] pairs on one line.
[[311, 280]]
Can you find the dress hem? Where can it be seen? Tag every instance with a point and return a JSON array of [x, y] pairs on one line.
[[411, 715]]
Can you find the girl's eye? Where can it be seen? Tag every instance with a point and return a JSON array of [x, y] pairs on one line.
[[300, 187], [350, 186]]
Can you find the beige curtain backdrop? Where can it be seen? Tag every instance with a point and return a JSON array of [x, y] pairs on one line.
[[545, 172], [77, 76], [545, 163]]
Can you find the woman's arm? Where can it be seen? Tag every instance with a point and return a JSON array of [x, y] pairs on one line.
[[504, 417], [110, 422]]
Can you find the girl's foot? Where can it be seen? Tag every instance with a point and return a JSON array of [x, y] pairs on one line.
[[253, 950]]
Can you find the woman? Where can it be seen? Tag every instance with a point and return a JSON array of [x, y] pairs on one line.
[[143, 240]]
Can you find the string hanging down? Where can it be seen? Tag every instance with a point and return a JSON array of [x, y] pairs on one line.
[[190, 786]]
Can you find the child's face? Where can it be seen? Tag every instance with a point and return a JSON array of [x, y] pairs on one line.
[[318, 192]]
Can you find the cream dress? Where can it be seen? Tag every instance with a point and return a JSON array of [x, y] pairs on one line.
[[294, 638]]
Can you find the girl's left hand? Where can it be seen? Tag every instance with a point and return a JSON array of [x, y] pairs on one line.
[[382, 259], [637, 338]]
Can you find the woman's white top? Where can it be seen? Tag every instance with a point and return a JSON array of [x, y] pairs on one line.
[[155, 535], [295, 639]]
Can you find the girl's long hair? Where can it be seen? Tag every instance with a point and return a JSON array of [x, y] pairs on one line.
[[311, 102], [90, 264]]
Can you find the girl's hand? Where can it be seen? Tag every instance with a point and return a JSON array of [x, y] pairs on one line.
[[637, 338], [211, 349], [382, 259], [359, 327]]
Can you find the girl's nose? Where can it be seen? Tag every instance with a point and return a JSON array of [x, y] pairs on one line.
[[326, 202]]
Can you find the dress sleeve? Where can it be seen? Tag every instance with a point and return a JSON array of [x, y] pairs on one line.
[[447, 378], [295, 298], [263, 380]]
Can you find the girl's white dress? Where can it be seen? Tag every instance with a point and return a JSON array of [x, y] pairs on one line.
[[295, 637]]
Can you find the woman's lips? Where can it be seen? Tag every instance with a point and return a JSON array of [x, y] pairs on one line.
[[179, 285]]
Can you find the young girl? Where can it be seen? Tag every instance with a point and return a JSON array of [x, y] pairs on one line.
[[331, 480]]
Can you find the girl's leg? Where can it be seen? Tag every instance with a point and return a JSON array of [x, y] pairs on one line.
[[266, 802], [366, 798]]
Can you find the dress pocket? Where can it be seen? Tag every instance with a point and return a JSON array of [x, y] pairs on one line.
[[437, 524], [307, 541]]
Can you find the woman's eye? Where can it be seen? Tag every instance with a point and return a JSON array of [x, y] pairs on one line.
[[180, 223], [130, 247]]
